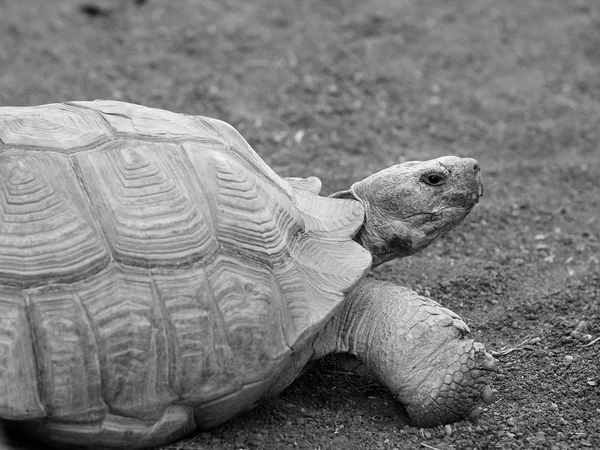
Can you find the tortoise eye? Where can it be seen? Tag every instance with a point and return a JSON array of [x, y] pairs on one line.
[[434, 179]]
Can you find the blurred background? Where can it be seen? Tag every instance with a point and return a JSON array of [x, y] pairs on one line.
[[342, 88]]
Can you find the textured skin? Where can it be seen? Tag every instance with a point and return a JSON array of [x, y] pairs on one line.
[[404, 213], [155, 273], [414, 347]]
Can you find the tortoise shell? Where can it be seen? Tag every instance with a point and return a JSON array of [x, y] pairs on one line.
[[155, 274]]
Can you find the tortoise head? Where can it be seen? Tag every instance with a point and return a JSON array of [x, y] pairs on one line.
[[409, 205]]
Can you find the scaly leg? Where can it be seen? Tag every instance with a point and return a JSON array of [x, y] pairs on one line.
[[414, 347]]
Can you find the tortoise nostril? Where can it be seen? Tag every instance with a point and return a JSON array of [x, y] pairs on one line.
[[471, 165]]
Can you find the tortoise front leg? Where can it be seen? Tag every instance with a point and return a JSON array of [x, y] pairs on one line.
[[414, 347]]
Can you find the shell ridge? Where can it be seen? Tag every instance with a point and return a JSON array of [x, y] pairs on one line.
[[282, 308], [220, 323], [79, 177], [160, 305], [92, 324], [96, 335], [96, 112], [34, 343], [159, 322], [207, 199]]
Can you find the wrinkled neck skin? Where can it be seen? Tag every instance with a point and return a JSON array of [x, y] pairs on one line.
[[404, 213], [388, 236]]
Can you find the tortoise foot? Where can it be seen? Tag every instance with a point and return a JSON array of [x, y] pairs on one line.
[[456, 385]]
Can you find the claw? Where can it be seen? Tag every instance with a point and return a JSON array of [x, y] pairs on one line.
[[475, 414], [487, 395], [488, 362]]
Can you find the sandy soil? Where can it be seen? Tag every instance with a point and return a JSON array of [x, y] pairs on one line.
[[342, 88]]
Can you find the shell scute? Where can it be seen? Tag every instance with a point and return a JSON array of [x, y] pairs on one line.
[[245, 295], [67, 354], [253, 216], [47, 229], [131, 339], [237, 147], [202, 362], [18, 366], [151, 207], [58, 127]]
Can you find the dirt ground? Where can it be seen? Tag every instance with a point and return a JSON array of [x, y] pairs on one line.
[[342, 88]]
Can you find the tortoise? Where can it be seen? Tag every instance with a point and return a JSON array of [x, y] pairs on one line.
[[157, 276]]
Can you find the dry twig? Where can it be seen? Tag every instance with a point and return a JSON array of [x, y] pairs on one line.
[[429, 446], [522, 346], [592, 342]]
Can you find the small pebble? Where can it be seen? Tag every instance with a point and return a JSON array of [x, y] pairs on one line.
[[448, 430], [569, 359], [582, 326]]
